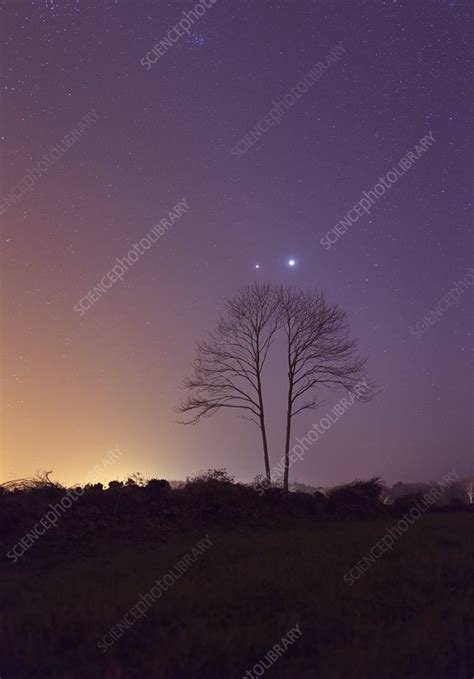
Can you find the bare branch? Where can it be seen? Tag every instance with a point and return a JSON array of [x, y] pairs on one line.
[[321, 354], [227, 370]]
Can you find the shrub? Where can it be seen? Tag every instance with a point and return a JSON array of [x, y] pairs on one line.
[[157, 487], [402, 504], [211, 475], [359, 499]]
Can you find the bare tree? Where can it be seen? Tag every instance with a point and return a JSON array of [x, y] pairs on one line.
[[227, 370], [468, 487], [320, 353]]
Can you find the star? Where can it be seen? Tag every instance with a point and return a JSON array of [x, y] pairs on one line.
[[198, 40], [291, 262]]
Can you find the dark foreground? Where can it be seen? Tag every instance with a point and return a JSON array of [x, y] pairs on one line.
[[411, 615]]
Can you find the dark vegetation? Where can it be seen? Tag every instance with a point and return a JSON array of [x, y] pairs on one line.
[[276, 559], [138, 505]]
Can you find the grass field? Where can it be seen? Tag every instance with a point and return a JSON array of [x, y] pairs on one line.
[[411, 615]]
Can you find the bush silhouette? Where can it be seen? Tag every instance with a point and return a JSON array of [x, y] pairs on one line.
[[137, 507], [359, 499]]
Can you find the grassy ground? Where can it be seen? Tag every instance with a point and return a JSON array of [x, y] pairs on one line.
[[411, 616]]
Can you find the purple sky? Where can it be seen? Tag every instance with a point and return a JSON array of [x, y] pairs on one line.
[[74, 387]]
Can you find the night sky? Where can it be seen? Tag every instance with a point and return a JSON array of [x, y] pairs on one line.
[[75, 386]]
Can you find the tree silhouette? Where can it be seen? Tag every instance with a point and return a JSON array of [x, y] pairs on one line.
[[320, 353], [227, 370], [468, 487]]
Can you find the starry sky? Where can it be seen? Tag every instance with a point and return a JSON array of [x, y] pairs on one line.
[[73, 387]]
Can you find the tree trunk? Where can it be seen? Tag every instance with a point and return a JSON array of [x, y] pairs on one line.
[[264, 432], [287, 441], [265, 450]]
